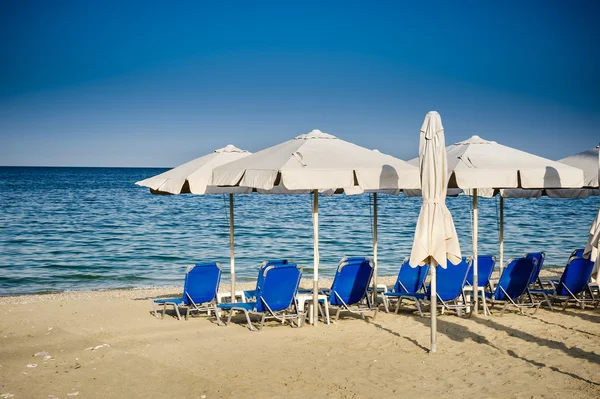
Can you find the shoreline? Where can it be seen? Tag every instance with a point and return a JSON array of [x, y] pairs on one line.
[[175, 290]]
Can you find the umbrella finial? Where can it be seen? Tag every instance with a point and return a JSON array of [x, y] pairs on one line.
[[229, 148], [315, 134]]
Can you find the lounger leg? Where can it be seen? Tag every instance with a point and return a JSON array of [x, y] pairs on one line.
[[385, 304], [187, 313], [337, 314], [229, 316], [547, 300], [248, 320], [154, 309], [375, 313], [398, 305], [218, 316], [262, 320], [503, 308], [327, 312], [177, 311], [164, 310], [486, 312], [418, 305]]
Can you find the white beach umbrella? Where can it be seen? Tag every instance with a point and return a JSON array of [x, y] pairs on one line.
[[593, 245], [319, 162], [588, 162], [482, 168], [194, 177], [435, 240]]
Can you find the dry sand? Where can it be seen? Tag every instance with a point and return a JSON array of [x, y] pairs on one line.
[[549, 354]]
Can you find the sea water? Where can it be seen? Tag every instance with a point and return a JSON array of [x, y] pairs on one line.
[[93, 228]]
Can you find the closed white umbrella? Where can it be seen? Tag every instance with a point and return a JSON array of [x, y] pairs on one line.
[[194, 177], [435, 240], [593, 245], [318, 162]]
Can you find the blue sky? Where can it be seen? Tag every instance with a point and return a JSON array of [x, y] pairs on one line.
[[100, 83]]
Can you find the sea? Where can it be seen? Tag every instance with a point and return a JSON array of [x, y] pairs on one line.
[[65, 228]]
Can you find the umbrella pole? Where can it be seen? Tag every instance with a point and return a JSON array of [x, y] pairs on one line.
[[375, 249], [316, 257], [501, 234], [231, 248], [433, 284], [475, 254]]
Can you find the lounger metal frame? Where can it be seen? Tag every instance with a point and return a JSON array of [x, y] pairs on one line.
[[282, 315], [192, 306], [517, 302]]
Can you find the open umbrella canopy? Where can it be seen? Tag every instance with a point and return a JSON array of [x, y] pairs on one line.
[[195, 176], [318, 161], [588, 162], [483, 164]]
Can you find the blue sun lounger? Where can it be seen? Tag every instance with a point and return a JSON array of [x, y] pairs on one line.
[[513, 284], [276, 290], [573, 282], [411, 280], [348, 291], [199, 290], [449, 288]]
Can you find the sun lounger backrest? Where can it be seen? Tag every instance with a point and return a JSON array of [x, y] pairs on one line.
[[575, 277], [515, 278], [278, 287], [267, 263], [451, 280], [578, 253], [485, 268], [351, 281], [202, 282], [539, 257], [410, 279]]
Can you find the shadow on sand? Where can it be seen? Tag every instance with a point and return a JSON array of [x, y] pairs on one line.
[[461, 333]]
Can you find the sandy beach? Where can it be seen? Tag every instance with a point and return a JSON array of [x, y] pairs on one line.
[[106, 344]]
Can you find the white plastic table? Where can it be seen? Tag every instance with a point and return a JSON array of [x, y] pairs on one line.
[[468, 290], [238, 294], [302, 299]]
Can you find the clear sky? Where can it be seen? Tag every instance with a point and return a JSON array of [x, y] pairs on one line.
[[156, 83]]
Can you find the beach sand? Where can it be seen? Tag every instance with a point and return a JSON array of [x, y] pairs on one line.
[[549, 354]]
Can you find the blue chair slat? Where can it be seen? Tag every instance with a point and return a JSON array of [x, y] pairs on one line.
[[410, 279], [202, 283], [539, 257], [278, 287], [515, 278], [252, 293], [485, 268], [575, 277], [200, 287], [451, 280], [351, 282], [578, 253]]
